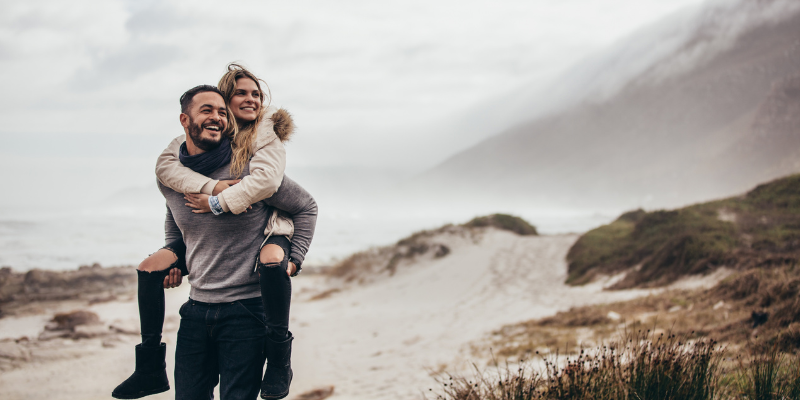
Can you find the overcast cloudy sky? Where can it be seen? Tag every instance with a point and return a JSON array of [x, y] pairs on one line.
[[361, 77]]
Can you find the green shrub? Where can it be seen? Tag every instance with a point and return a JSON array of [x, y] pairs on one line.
[[505, 222]]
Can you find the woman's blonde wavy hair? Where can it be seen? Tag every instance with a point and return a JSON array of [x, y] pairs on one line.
[[242, 137]]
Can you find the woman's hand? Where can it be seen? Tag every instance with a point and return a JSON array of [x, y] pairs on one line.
[[198, 201], [222, 185], [290, 269]]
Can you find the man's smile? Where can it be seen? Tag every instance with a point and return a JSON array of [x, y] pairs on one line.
[[212, 127]]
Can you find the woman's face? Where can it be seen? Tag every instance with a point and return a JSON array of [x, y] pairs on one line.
[[246, 101]]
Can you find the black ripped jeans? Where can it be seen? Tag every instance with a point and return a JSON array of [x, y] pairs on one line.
[[276, 290], [276, 293]]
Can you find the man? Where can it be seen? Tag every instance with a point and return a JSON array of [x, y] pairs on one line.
[[221, 335]]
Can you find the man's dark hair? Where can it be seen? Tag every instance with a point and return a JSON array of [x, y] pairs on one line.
[[186, 98]]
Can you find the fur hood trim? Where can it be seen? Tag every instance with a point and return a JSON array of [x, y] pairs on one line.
[[283, 125]]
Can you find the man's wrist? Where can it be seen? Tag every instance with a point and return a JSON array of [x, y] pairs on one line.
[[213, 203]]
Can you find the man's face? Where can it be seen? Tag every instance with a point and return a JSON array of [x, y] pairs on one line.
[[206, 120]]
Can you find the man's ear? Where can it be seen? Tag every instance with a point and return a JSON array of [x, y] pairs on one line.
[[184, 120]]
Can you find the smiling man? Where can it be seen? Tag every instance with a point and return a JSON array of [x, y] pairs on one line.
[[222, 330]]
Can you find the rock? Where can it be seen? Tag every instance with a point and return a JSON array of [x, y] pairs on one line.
[[127, 328], [72, 319], [111, 341], [719, 305], [50, 334], [90, 331], [613, 316], [14, 351]]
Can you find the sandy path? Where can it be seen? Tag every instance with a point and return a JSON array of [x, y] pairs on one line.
[[375, 341], [379, 341]]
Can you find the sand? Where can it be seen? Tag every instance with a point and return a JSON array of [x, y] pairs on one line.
[[381, 340]]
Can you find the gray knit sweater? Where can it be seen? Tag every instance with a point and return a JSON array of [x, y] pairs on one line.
[[221, 249]]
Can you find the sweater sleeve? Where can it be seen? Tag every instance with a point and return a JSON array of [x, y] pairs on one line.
[[266, 173], [171, 230], [295, 200], [177, 177]]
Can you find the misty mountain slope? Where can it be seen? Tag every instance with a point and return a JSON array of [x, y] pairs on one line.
[[672, 135]]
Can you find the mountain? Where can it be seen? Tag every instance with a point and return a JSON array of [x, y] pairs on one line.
[[709, 115]]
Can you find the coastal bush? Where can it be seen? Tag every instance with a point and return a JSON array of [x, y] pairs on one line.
[[505, 222], [760, 229], [640, 366]]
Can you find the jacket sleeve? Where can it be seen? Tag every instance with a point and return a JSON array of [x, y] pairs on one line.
[[295, 200], [175, 176], [266, 174]]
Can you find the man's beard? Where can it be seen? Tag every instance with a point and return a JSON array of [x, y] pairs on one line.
[[205, 144]]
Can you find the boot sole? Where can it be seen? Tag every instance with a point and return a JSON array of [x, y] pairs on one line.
[[274, 397], [140, 394]]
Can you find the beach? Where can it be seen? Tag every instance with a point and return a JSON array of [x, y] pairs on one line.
[[384, 339]]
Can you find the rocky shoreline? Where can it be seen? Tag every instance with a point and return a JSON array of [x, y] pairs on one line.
[[93, 284], [58, 307]]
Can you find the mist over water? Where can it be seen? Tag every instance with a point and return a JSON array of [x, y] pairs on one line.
[[124, 234]]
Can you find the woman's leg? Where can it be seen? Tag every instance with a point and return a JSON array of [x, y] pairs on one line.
[[151, 274], [276, 293], [276, 289], [150, 376]]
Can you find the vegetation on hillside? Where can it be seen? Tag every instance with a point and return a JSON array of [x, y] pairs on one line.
[[759, 229]]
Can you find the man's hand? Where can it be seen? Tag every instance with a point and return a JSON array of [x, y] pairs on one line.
[[174, 279], [198, 201], [291, 269], [222, 185]]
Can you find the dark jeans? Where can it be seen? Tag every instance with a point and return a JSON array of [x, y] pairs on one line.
[[220, 343], [276, 290]]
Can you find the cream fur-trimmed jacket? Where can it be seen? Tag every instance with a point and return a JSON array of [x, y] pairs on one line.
[[266, 171]]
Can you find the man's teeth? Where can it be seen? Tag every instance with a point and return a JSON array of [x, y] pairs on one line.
[[212, 128]]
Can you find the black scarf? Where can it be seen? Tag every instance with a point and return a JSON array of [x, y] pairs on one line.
[[208, 162]]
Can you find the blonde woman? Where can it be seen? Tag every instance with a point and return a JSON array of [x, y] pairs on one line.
[[252, 144]]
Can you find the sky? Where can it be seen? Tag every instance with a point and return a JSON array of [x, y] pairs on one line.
[[379, 91], [365, 80]]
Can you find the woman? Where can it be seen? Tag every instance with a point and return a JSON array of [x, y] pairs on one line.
[[255, 141]]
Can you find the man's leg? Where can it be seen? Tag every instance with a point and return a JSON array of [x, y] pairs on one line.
[[240, 340], [196, 363]]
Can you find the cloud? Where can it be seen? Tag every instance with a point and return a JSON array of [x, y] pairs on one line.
[[375, 73], [125, 64]]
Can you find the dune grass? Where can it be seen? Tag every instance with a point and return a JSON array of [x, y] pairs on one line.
[[760, 228], [641, 365]]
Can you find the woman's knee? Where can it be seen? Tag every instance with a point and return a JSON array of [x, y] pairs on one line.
[[158, 261], [271, 253]]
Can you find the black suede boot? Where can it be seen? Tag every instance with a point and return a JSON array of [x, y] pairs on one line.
[[150, 376], [278, 376]]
